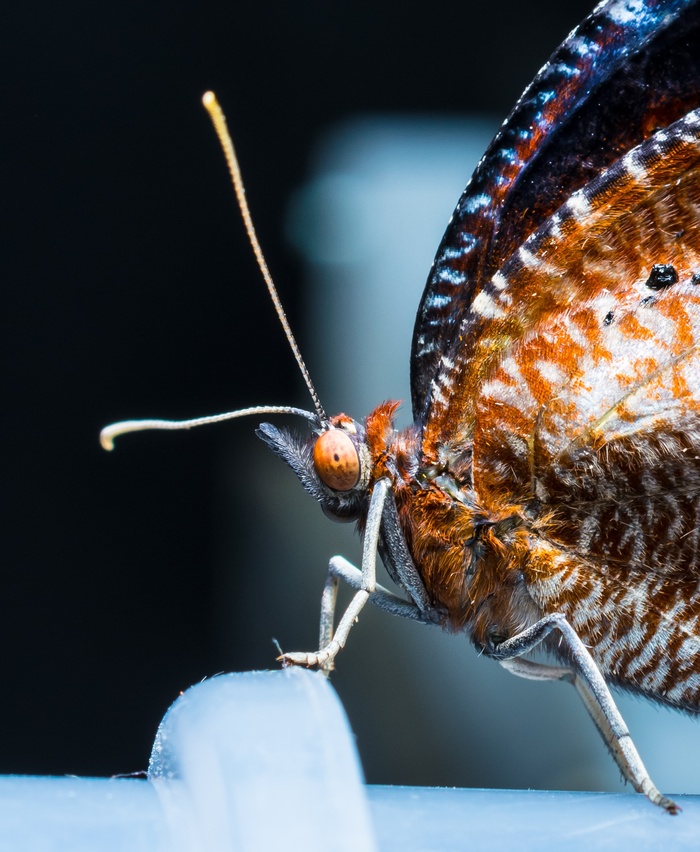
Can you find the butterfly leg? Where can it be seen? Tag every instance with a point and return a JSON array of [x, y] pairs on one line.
[[332, 642], [591, 686], [381, 597], [340, 569]]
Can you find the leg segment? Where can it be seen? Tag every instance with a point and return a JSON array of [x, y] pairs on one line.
[[366, 589], [381, 597], [591, 686]]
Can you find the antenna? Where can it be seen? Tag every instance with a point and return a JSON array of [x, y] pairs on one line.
[[114, 430], [219, 121], [109, 433]]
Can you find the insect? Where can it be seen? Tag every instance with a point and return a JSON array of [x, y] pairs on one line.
[[547, 495]]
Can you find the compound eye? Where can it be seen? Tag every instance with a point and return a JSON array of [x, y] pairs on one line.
[[336, 460]]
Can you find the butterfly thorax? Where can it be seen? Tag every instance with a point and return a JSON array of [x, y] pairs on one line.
[[470, 560]]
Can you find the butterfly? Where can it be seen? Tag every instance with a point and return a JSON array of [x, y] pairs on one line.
[[547, 494]]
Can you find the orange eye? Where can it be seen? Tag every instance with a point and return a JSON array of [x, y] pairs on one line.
[[336, 460]]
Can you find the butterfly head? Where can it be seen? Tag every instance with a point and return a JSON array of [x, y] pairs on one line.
[[333, 463]]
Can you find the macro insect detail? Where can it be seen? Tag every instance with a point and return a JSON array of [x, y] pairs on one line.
[[547, 494]]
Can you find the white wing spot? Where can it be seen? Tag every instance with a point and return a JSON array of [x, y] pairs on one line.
[[499, 281], [636, 169], [579, 205], [485, 306], [528, 259]]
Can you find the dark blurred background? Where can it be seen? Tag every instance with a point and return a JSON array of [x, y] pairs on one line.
[[129, 290]]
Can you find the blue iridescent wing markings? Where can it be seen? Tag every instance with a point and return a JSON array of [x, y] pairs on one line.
[[631, 67]]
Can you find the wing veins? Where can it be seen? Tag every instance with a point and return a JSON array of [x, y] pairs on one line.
[[635, 388]]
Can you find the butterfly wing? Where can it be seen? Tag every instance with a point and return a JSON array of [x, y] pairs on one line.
[[590, 415], [620, 75]]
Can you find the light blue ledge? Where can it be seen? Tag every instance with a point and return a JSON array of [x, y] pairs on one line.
[[266, 760]]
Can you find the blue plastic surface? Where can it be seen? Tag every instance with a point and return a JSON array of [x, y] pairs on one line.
[[261, 760], [80, 815], [266, 760], [423, 818]]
